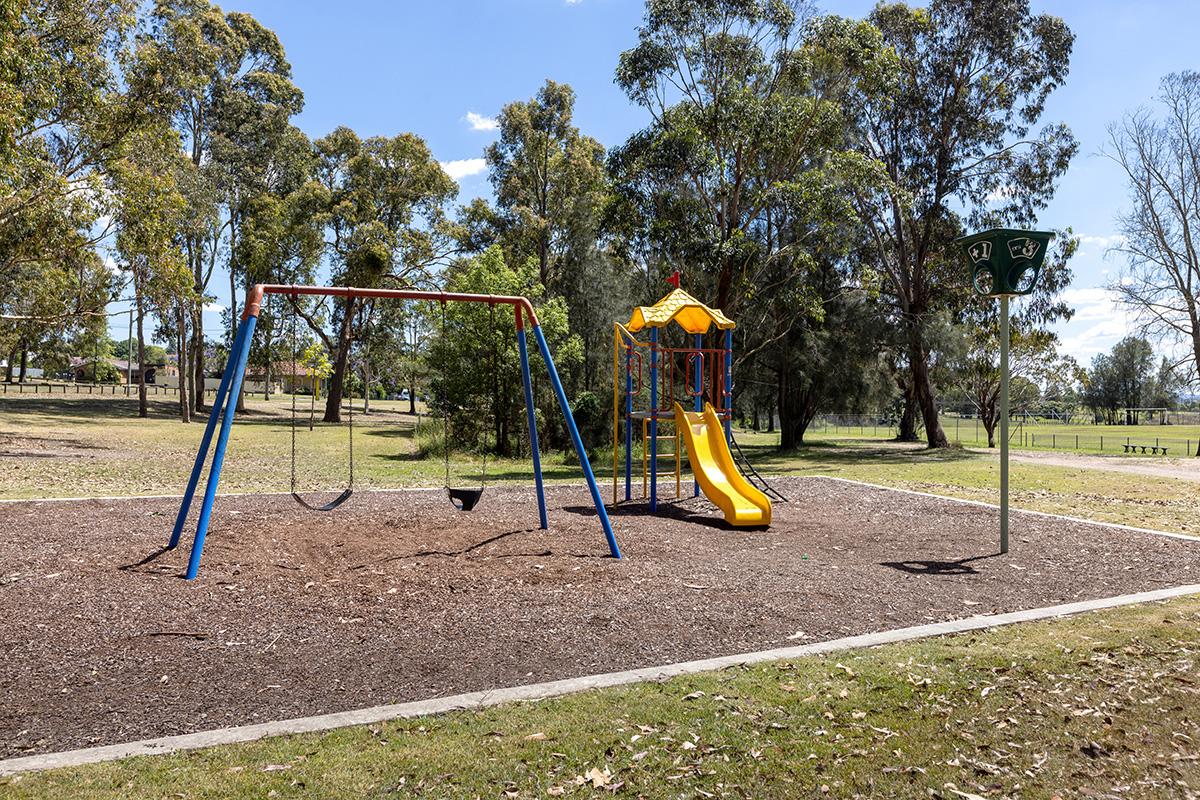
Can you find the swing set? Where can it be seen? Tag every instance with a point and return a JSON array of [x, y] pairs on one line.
[[462, 498], [225, 405]]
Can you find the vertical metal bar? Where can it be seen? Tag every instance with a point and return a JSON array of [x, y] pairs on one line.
[[616, 422], [239, 358], [698, 406], [531, 421], [580, 450], [727, 400], [205, 441], [629, 417], [654, 419], [1004, 424]]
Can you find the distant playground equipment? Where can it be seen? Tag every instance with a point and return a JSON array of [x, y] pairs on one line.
[[235, 369], [691, 391]]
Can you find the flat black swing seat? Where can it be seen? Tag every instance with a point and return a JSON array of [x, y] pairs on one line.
[[464, 499], [330, 506]]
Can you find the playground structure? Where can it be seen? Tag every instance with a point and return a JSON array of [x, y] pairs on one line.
[[231, 382], [691, 375]]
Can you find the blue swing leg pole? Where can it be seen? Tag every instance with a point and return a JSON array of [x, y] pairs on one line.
[[578, 442], [238, 366], [202, 456], [532, 420]]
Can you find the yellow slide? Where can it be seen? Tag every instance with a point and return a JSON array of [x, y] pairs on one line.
[[713, 466]]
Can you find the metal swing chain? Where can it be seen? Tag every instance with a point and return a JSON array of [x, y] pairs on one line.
[[495, 387]]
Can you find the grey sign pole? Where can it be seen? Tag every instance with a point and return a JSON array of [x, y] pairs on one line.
[[1004, 263], [1004, 423]]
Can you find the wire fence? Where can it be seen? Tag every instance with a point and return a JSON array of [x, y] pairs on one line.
[[1178, 438], [47, 388]]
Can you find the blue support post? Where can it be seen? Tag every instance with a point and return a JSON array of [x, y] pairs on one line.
[[728, 399], [531, 419], [698, 388], [237, 364], [653, 419], [629, 418], [202, 456], [577, 441]]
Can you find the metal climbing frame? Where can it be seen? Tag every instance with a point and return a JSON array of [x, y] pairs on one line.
[[231, 385]]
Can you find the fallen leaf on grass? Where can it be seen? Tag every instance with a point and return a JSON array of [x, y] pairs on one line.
[[535, 737], [696, 695], [595, 777], [950, 787]]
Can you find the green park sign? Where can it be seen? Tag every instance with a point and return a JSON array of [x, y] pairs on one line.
[[1005, 262]]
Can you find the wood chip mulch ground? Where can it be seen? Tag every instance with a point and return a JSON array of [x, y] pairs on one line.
[[396, 596]]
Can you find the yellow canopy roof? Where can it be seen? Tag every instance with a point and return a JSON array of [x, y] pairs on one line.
[[691, 315]]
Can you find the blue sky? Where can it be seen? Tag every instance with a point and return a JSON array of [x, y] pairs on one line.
[[444, 69]]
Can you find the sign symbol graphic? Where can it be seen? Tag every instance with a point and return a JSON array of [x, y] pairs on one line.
[[980, 251], [1023, 248]]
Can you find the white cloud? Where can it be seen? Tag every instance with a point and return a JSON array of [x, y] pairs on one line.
[[1101, 242], [1093, 303], [111, 264], [1000, 193], [1099, 323], [214, 308], [479, 122], [463, 167]]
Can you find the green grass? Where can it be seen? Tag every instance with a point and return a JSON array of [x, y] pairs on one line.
[[1097, 706], [1168, 504], [1044, 435], [97, 446]]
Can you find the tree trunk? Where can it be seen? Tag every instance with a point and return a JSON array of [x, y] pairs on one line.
[[922, 386], [908, 415], [412, 397], [143, 406], [337, 381], [366, 391], [185, 414], [8, 367], [24, 363], [197, 356]]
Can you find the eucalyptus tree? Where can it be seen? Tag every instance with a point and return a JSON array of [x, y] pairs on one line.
[[955, 135], [70, 98], [1160, 156], [282, 241], [234, 96], [148, 211], [548, 177], [551, 193], [385, 224], [743, 175]]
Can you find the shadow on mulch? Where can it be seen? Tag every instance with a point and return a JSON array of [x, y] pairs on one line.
[[674, 510], [934, 568]]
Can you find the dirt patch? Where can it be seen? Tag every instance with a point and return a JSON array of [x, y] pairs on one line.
[[1185, 469], [397, 597]]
